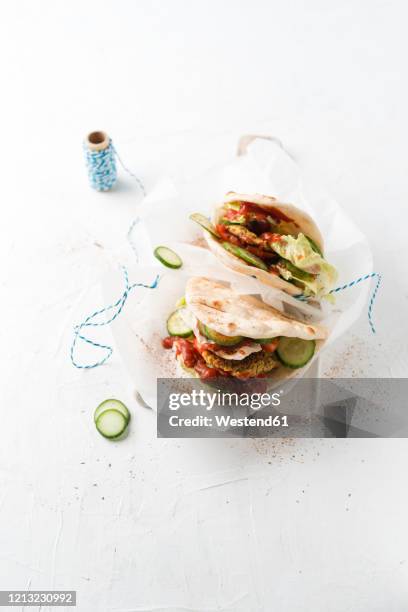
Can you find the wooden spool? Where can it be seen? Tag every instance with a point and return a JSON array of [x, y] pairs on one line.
[[97, 141]]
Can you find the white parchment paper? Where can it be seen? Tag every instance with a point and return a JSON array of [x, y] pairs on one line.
[[163, 220]]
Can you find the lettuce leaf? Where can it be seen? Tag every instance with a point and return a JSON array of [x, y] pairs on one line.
[[299, 252]]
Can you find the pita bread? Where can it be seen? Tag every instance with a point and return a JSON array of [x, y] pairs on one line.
[[224, 311], [306, 225]]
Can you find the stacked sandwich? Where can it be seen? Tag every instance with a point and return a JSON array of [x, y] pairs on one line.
[[215, 332]]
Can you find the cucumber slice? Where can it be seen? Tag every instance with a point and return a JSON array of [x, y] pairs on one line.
[[111, 424], [112, 404], [293, 271], [205, 224], [228, 222], [264, 340], [295, 352], [245, 255], [176, 325], [219, 338], [167, 257]]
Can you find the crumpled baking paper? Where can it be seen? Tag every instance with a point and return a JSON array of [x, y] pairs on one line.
[[164, 220]]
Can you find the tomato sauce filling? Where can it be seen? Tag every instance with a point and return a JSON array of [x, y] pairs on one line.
[[192, 357], [260, 213], [256, 220], [191, 350], [225, 235]]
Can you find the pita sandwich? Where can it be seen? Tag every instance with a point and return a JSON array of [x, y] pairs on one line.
[[220, 333], [276, 243]]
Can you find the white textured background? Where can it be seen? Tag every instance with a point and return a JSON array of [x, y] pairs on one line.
[[153, 525]]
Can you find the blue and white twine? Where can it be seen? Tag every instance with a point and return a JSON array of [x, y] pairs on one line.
[[352, 284], [130, 240], [89, 322], [137, 179], [373, 295], [101, 167]]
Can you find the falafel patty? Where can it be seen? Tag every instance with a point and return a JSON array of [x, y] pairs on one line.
[[257, 363], [245, 235]]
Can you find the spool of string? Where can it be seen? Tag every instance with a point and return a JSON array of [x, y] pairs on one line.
[[100, 157], [100, 161]]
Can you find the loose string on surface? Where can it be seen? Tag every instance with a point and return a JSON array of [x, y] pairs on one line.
[[137, 179], [352, 284], [130, 240], [89, 322], [100, 157]]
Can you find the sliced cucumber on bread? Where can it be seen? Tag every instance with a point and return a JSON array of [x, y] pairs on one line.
[[205, 224], [245, 255], [176, 324], [295, 352], [218, 338]]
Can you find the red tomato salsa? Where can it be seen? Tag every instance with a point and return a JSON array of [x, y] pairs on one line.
[[191, 356], [190, 351], [259, 212]]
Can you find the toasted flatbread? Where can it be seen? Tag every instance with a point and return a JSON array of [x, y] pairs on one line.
[[216, 305]]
